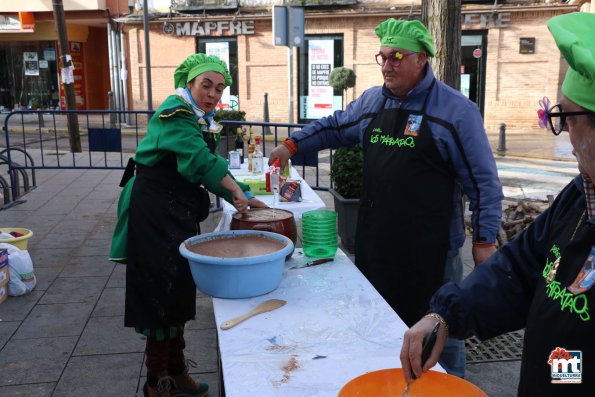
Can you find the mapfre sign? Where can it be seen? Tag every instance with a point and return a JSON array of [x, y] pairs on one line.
[[214, 28]]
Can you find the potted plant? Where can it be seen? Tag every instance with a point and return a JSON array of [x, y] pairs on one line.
[[342, 78], [346, 178], [227, 134]]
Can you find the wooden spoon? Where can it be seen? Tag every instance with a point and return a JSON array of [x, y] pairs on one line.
[[264, 307]]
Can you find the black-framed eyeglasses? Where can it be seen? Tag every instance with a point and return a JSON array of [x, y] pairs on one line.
[[394, 58], [557, 118]]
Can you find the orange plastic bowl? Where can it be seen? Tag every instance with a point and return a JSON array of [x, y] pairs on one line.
[[390, 383]]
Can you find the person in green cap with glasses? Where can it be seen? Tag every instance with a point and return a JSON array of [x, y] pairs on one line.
[[543, 280], [161, 206], [424, 146]]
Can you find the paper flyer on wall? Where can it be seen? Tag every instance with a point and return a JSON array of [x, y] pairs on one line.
[[31, 64]]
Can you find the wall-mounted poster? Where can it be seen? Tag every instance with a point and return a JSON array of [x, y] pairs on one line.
[[221, 50], [321, 62], [31, 64]]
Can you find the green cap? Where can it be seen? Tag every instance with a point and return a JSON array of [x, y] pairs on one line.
[[574, 34], [197, 64], [408, 35]]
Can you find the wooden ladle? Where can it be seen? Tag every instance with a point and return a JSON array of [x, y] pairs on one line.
[[264, 307]]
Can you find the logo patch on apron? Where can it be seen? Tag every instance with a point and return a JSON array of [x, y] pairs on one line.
[[586, 277], [413, 125]]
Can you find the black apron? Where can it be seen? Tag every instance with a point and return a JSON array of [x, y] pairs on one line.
[[555, 321], [402, 236], [165, 209]]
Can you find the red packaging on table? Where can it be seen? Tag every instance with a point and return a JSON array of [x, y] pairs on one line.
[[291, 190]]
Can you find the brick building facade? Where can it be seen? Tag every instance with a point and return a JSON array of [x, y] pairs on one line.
[[509, 56]]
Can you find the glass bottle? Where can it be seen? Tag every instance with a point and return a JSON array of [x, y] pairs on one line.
[[257, 157], [239, 144], [251, 148]]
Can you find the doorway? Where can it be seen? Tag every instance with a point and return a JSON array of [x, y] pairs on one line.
[[473, 71]]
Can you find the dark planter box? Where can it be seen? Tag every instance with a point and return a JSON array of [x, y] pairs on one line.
[[347, 210]]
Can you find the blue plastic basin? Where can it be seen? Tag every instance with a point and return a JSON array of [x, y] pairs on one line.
[[236, 277]]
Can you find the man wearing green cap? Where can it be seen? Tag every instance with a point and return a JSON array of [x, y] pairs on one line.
[[160, 207], [424, 146], [543, 280]]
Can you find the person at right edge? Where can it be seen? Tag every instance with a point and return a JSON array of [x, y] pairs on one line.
[[542, 280], [424, 146]]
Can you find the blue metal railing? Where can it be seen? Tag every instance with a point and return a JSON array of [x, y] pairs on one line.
[[39, 139]]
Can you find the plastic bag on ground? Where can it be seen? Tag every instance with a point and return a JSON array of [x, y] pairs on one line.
[[22, 277]]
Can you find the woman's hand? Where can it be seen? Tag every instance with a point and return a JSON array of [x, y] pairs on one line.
[[256, 203], [239, 200], [412, 347]]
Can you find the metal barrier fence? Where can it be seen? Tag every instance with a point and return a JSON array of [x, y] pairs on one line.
[[40, 140]]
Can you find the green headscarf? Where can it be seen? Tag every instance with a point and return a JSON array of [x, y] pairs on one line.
[[408, 35], [197, 64], [574, 34]]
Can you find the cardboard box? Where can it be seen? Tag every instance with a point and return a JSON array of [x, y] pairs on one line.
[[3, 293], [257, 184], [4, 273]]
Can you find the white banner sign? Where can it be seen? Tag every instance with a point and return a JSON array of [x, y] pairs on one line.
[[320, 64], [221, 50]]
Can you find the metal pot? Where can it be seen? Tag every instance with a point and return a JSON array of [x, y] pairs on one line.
[[268, 220]]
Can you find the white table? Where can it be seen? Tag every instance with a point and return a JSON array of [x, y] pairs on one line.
[[332, 310], [310, 200]]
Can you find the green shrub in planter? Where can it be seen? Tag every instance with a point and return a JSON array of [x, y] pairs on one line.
[[224, 114], [347, 170], [342, 78]]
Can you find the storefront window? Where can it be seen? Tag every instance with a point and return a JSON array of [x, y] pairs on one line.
[[28, 75], [473, 59], [226, 48], [316, 59]]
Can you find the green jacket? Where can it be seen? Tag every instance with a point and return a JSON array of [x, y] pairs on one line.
[[174, 128]]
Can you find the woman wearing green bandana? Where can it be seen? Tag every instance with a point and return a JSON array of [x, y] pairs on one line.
[[161, 206], [542, 281]]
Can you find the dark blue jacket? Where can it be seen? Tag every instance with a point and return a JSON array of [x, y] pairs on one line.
[[457, 129], [511, 287]]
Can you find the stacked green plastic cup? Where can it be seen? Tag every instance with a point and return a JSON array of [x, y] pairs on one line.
[[319, 233]]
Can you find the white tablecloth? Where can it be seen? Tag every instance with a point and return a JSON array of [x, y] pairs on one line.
[[332, 311], [310, 200]]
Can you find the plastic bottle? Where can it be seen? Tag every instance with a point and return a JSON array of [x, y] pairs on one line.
[[257, 157], [239, 144], [275, 168]]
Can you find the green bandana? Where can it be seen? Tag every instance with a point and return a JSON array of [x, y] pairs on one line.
[[197, 64], [574, 34], [408, 35]]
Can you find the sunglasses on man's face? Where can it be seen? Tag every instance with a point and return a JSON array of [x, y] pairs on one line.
[[394, 58], [557, 118]]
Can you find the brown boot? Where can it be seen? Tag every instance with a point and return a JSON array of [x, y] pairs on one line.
[[184, 383], [165, 387]]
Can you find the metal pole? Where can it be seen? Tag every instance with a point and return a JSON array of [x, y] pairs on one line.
[[502, 139], [120, 98], [110, 58], [290, 61], [147, 54], [72, 119], [124, 76], [111, 105], [265, 116], [290, 78]]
